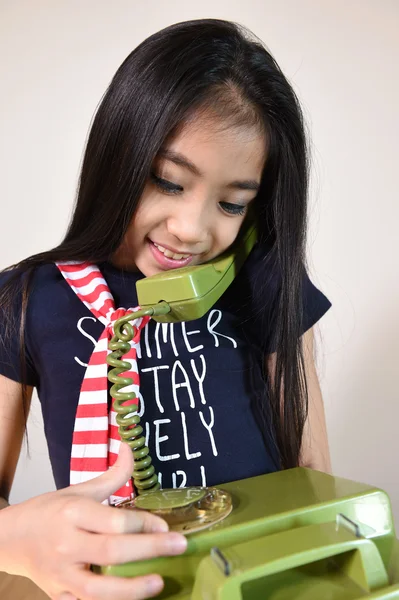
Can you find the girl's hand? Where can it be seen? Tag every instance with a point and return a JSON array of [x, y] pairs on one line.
[[54, 537]]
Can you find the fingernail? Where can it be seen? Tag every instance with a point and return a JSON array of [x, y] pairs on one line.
[[154, 585], [161, 526], [178, 543]]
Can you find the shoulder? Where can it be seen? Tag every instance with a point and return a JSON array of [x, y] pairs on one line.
[[46, 274], [263, 275], [25, 304], [44, 285], [47, 282], [40, 280]]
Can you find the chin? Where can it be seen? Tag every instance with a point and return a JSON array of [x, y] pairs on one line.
[[150, 272], [147, 271]]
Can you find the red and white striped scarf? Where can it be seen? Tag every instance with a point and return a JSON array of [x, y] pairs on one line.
[[96, 441]]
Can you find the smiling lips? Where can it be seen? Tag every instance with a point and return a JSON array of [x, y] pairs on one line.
[[170, 254], [167, 259]]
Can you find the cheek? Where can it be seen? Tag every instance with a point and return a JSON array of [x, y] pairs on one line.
[[145, 218], [227, 233]]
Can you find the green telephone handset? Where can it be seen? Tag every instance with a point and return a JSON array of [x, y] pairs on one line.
[[175, 295], [192, 291]]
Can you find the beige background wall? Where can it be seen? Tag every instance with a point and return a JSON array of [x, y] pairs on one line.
[[57, 57]]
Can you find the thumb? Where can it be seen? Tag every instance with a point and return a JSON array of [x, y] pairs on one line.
[[105, 485]]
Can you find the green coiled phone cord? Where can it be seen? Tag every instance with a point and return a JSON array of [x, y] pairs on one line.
[[130, 430]]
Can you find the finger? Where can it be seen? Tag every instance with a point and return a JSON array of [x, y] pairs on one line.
[[88, 586], [97, 518], [118, 549], [66, 596], [105, 485]]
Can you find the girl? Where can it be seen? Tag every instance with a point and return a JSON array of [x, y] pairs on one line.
[[198, 131]]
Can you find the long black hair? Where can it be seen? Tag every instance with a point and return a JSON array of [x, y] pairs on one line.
[[173, 74]]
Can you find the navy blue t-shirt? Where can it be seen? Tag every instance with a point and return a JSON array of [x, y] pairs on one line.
[[200, 381]]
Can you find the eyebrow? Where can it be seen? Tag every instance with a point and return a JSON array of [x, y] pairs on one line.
[[182, 161]]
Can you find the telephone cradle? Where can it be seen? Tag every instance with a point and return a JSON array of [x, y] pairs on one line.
[[297, 534]]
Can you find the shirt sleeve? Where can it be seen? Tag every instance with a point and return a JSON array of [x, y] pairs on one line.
[[315, 304], [15, 360]]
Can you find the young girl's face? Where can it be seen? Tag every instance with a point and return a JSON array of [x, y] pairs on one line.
[[192, 208]]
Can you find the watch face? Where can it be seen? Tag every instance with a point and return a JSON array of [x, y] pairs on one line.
[[186, 510]]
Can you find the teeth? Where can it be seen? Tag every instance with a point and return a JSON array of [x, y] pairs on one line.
[[170, 254]]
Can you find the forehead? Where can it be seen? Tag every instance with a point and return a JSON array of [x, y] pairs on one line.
[[219, 149]]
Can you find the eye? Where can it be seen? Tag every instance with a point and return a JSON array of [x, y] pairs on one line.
[[166, 186], [233, 209]]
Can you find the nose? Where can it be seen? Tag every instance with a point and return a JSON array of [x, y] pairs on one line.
[[190, 225]]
